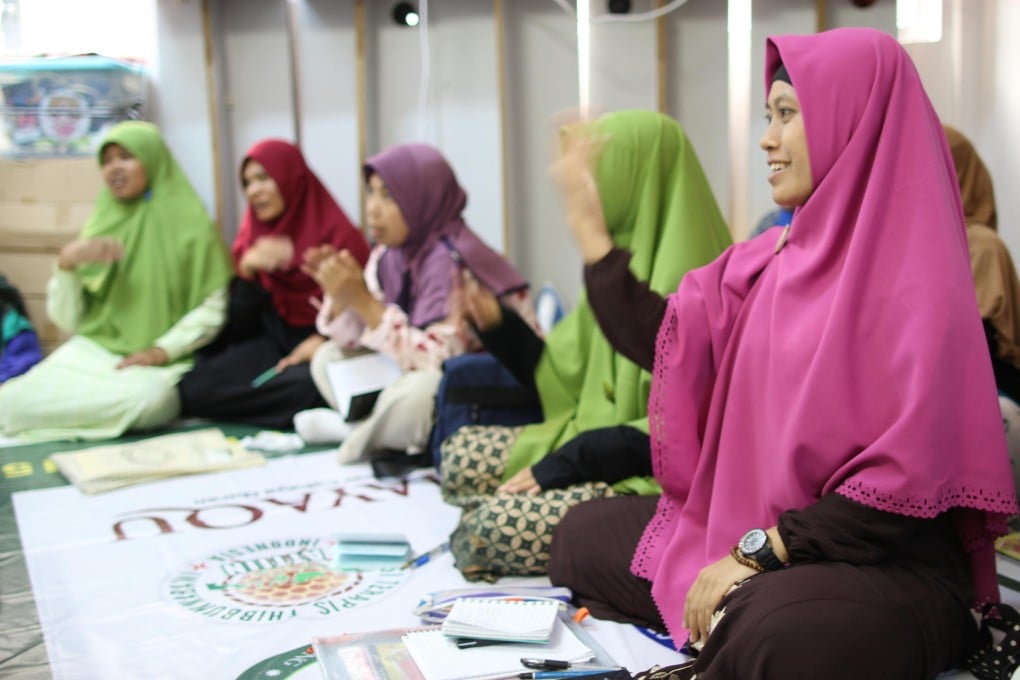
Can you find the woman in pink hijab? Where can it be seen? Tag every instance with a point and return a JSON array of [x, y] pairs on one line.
[[823, 415]]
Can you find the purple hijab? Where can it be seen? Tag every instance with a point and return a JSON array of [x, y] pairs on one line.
[[852, 361], [427, 193]]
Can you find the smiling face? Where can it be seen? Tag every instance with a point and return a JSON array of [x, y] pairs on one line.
[[385, 220], [262, 193], [785, 143], [123, 173]]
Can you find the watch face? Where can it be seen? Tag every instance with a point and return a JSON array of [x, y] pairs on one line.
[[753, 541]]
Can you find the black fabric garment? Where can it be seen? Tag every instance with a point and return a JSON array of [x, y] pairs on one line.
[[627, 310], [895, 586], [517, 346], [606, 454], [254, 339], [591, 551]]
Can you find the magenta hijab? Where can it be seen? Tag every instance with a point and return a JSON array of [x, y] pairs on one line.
[[423, 184], [852, 361]]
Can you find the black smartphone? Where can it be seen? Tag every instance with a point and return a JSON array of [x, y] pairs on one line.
[[396, 463]]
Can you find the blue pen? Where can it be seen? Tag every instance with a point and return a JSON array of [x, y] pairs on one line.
[[424, 558]]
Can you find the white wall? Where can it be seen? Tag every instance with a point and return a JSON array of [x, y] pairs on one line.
[[461, 115], [696, 87], [541, 58], [180, 103], [328, 98], [967, 76]]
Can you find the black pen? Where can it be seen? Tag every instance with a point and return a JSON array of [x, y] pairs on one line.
[[566, 673], [540, 664], [468, 643]]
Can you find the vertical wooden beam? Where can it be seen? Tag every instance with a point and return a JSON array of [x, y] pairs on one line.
[[359, 48], [499, 14], [212, 94], [821, 18], [290, 11], [662, 68]]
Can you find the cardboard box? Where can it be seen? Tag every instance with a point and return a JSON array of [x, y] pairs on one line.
[[60, 180], [30, 272], [62, 106]]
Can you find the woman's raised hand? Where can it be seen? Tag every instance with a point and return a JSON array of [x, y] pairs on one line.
[[84, 251], [579, 148]]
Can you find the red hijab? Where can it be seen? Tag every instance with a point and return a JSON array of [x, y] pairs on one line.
[[310, 218]]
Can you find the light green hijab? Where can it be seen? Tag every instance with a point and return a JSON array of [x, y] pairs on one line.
[[658, 205], [174, 256]]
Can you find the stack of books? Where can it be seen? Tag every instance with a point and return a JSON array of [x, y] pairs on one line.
[[371, 552]]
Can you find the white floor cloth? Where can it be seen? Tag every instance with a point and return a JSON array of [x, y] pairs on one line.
[[208, 576]]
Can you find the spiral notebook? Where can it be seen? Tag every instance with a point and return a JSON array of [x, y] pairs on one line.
[[438, 657], [501, 619]]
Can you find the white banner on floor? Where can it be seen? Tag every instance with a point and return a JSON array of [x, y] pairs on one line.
[[207, 576]]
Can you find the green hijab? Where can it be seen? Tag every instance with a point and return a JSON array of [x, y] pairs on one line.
[[174, 256], [658, 205]]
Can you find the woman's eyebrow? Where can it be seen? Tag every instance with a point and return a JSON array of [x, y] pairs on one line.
[[783, 98]]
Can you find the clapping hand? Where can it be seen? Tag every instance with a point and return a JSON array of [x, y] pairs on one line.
[[268, 254], [474, 302], [341, 277], [315, 256], [85, 251]]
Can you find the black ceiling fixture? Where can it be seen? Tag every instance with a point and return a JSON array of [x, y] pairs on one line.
[[619, 6], [405, 14]]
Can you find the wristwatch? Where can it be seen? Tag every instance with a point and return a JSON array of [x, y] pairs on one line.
[[755, 545]]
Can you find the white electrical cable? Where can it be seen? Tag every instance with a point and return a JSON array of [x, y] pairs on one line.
[[565, 6], [644, 16], [426, 68], [610, 18]]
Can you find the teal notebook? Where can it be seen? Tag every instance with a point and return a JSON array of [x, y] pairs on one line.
[[371, 552]]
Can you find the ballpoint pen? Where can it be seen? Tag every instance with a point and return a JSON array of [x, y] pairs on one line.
[[564, 664], [565, 674], [468, 643], [424, 558]]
